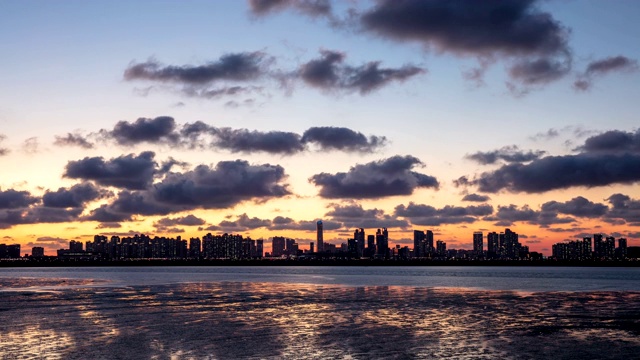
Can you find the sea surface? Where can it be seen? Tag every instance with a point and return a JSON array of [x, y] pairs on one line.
[[320, 313]]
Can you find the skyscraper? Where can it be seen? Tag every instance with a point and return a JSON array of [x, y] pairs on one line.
[[418, 243], [493, 245], [382, 240], [319, 236], [428, 246], [477, 243], [358, 235]]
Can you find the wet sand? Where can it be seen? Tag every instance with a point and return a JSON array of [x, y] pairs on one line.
[[55, 319]]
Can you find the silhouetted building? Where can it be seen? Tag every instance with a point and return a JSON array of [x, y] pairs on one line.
[[319, 236], [382, 242], [371, 246], [260, 248], [358, 235], [493, 245], [477, 243], [441, 248], [622, 248], [419, 238], [428, 246], [195, 248], [37, 252], [75, 246], [277, 246], [311, 247], [598, 246], [9, 251]]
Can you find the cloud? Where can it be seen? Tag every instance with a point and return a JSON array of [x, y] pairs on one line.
[[243, 140], [189, 220], [515, 30], [109, 225], [624, 208], [159, 129], [603, 67], [507, 215], [3, 151], [568, 171], [307, 7], [352, 215], [242, 223], [230, 67], [76, 196], [287, 223], [508, 154], [13, 199], [469, 27], [127, 171], [578, 206], [329, 73], [341, 138], [387, 177], [476, 198], [427, 215], [31, 146], [613, 142], [223, 186], [73, 140]]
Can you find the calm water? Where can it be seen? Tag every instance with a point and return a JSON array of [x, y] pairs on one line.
[[319, 312]]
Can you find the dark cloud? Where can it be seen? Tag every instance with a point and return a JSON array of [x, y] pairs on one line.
[[470, 27], [109, 225], [159, 129], [561, 172], [189, 220], [230, 67], [509, 154], [354, 216], [287, 223], [613, 142], [308, 7], [578, 206], [226, 185], [340, 138], [127, 171], [602, 67], [73, 140], [329, 73], [476, 198], [76, 196], [242, 223], [540, 71], [507, 215], [388, 177], [243, 140], [13, 199], [624, 208], [427, 215]]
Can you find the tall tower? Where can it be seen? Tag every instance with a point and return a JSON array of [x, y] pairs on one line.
[[477, 243], [319, 236]]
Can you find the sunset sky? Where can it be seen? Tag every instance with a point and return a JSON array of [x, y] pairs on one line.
[[260, 117]]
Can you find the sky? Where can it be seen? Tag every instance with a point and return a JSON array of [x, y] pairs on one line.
[[261, 117]]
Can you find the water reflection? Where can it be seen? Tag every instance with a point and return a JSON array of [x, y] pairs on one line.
[[269, 320]]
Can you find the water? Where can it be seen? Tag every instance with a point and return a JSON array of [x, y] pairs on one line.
[[319, 312]]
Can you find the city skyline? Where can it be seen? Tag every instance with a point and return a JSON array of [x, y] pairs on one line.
[[263, 118]]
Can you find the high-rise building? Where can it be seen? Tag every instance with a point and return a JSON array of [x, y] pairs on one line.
[[477, 243], [37, 252], [493, 244], [419, 238], [260, 248], [358, 236], [75, 246], [428, 245], [382, 242], [598, 248], [441, 248], [319, 236], [609, 247], [277, 246], [371, 245], [311, 247], [195, 248], [622, 248]]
